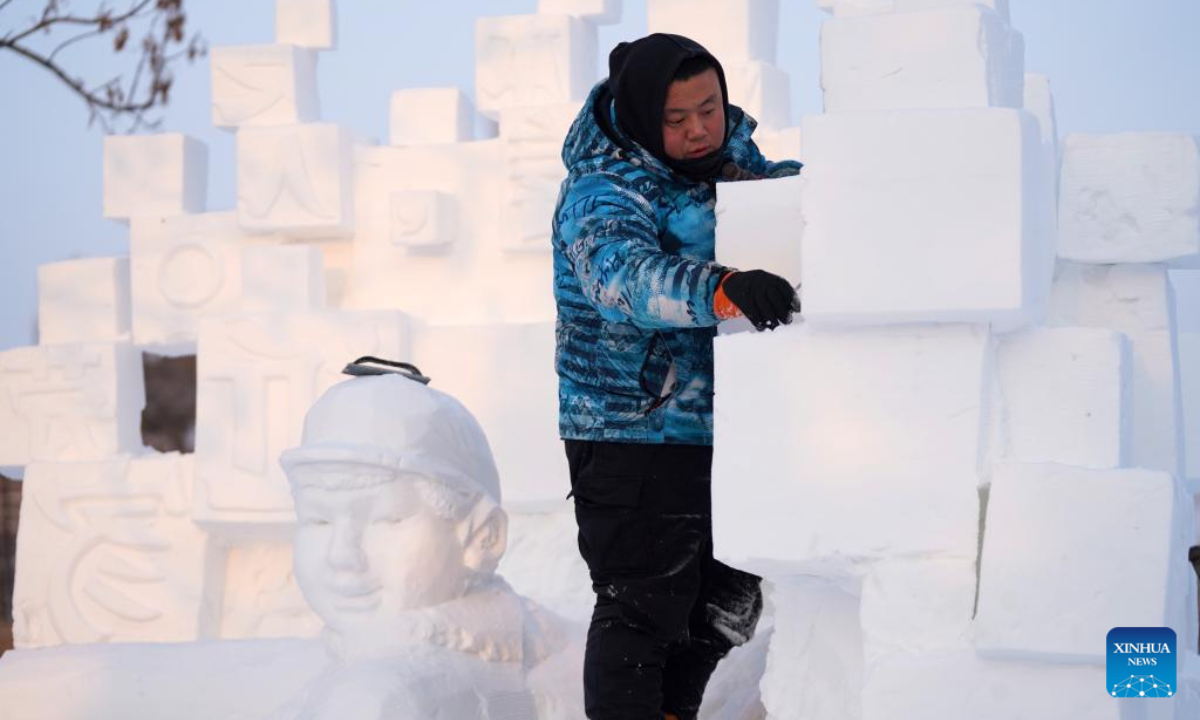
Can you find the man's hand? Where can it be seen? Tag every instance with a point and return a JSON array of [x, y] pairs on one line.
[[766, 300]]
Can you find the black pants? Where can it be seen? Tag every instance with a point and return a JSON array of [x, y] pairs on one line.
[[666, 611]]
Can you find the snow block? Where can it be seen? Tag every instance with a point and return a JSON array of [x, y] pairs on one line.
[[764, 91], [83, 301], [1128, 198], [917, 606], [925, 216], [493, 283], [108, 552], [423, 219], [470, 362], [1099, 549], [855, 444], [1039, 100], [851, 8], [958, 57], [183, 268], [263, 85], [778, 145], [297, 180], [1068, 396], [815, 643], [306, 23], [256, 377], [732, 30], [282, 278], [523, 60], [532, 139], [542, 561], [70, 402], [154, 175], [760, 226], [598, 12], [1134, 300], [961, 685], [431, 116]]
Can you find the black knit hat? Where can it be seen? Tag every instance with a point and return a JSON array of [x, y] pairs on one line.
[[639, 74]]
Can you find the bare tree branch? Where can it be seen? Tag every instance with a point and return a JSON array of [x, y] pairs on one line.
[[161, 26]]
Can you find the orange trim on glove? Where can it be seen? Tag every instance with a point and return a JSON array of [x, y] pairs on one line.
[[723, 307]]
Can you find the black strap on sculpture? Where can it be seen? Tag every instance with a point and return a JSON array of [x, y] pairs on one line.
[[369, 365]]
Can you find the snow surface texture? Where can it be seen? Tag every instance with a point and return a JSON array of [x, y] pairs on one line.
[[921, 471]]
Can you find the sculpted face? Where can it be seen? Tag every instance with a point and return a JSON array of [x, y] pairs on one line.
[[694, 117], [364, 555]]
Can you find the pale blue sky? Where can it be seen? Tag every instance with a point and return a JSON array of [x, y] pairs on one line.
[[1115, 65]]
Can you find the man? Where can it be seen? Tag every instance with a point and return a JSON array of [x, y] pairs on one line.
[[639, 295]]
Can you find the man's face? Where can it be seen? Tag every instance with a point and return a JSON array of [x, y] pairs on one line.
[[365, 555], [694, 117]]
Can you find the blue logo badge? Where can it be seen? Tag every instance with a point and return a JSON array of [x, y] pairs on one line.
[[1141, 662]]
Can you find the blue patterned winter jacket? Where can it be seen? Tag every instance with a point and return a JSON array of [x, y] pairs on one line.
[[634, 278]]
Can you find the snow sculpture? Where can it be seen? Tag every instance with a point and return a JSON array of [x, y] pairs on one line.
[[399, 533]]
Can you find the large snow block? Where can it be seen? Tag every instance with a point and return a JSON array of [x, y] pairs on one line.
[[925, 216], [917, 606], [1071, 553], [306, 23], [282, 278], [1134, 300], [431, 116], [732, 30], [523, 60], [154, 175], [1133, 197], [762, 90], [959, 57], [263, 85], [542, 560], [297, 180], [760, 225], [815, 643], [256, 377], [108, 552], [599, 12], [532, 139], [70, 402], [858, 444], [850, 8], [961, 685], [1068, 396], [83, 301], [471, 362]]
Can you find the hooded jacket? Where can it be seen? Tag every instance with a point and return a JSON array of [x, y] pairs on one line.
[[634, 279]]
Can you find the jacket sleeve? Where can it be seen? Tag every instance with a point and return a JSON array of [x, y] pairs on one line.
[[759, 165], [609, 234]]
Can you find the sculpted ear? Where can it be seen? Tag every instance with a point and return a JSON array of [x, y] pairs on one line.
[[486, 537]]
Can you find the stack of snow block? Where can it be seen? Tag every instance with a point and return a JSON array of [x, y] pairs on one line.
[[294, 173], [981, 428], [744, 36]]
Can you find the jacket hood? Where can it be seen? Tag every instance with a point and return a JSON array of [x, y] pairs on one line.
[[588, 140]]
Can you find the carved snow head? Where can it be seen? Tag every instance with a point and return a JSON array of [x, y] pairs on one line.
[[398, 506]]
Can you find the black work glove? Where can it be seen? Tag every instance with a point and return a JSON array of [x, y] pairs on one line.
[[766, 300]]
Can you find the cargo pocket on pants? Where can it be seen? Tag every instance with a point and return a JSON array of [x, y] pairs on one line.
[[614, 537]]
